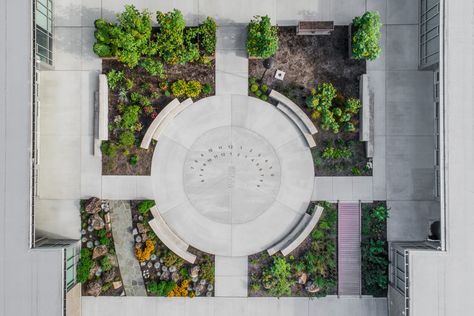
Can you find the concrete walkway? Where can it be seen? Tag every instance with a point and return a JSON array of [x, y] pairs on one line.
[[231, 276], [123, 238], [219, 306], [231, 60]]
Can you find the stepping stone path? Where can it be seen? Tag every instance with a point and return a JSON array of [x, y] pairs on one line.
[[122, 231]]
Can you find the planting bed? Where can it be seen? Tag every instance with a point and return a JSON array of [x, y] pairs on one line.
[[309, 61], [164, 273], [310, 270]]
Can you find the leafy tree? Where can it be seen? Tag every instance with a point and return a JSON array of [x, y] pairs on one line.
[[365, 41], [262, 38]]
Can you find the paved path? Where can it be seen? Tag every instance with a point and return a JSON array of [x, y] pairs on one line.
[[220, 306], [344, 188], [231, 276], [123, 238]]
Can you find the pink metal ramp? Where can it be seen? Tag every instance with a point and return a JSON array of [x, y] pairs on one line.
[[349, 257]]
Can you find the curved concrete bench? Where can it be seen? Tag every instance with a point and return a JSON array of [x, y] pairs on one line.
[[156, 122], [292, 116], [171, 115], [168, 237], [298, 234], [318, 210], [295, 109]]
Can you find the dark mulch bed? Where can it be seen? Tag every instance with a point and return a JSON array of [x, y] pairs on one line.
[[373, 230], [309, 61], [151, 273], [259, 262], [119, 165]]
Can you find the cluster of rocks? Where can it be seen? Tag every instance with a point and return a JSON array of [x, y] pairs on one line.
[[95, 221], [309, 286]]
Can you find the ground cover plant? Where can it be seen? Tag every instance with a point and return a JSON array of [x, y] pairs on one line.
[[374, 249], [165, 273], [145, 71], [310, 270], [366, 36], [324, 82], [98, 268]]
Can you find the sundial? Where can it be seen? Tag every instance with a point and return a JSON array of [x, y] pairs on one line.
[[232, 175]]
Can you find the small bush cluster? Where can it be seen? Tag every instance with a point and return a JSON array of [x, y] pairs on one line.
[[191, 89], [153, 67], [145, 253], [84, 265], [260, 91], [331, 152], [365, 41], [333, 110], [262, 37], [145, 206], [161, 288]]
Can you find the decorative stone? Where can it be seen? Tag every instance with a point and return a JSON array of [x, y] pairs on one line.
[[165, 276], [99, 251], [303, 278], [311, 287], [84, 239], [135, 232], [83, 231], [140, 218], [94, 288], [175, 276], [161, 260], [138, 239], [113, 260], [157, 265], [153, 257], [209, 294], [97, 222], [90, 228], [199, 288], [172, 269], [210, 287], [143, 263], [197, 293], [117, 284], [149, 264], [90, 244], [141, 228], [195, 279], [107, 218], [109, 276], [93, 205], [108, 227], [96, 243], [202, 282], [164, 268], [194, 271], [158, 273], [93, 270], [98, 273], [144, 237]]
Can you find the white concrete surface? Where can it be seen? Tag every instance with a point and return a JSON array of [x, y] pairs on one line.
[[239, 179], [231, 276]]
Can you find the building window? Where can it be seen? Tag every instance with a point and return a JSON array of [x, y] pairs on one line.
[[436, 135], [44, 30], [429, 33], [70, 268]]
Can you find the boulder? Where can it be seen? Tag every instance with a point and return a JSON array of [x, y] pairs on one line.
[[141, 228], [93, 205], [165, 276], [311, 287], [99, 251], [194, 271], [175, 277], [107, 218], [93, 270], [117, 284], [109, 276], [97, 222], [113, 260], [303, 278], [94, 288]]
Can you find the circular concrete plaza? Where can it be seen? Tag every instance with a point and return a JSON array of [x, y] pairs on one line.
[[232, 175]]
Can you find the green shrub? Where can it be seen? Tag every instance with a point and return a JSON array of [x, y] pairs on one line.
[[208, 270], [133, 159], [105, 263], [153, 67], [108, 149], [193, 89], [135, 97], [170, 38], [331, 152], [207, 88], [130, 116], [365, 41], [102, 50], [352, 105], [264, 88], [349, 127], [258, 93], [279, 277], [161, 288], [254, 87], [262, 37], [144, 207], [264, 97], [178, 88], [114, 78], [129, 83], [127, 138], [207, 36], [84, 265], [171, 259]]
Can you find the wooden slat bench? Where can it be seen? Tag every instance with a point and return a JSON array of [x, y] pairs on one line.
[[156, 122], [298, 234], [315, 27], [168, 237]]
